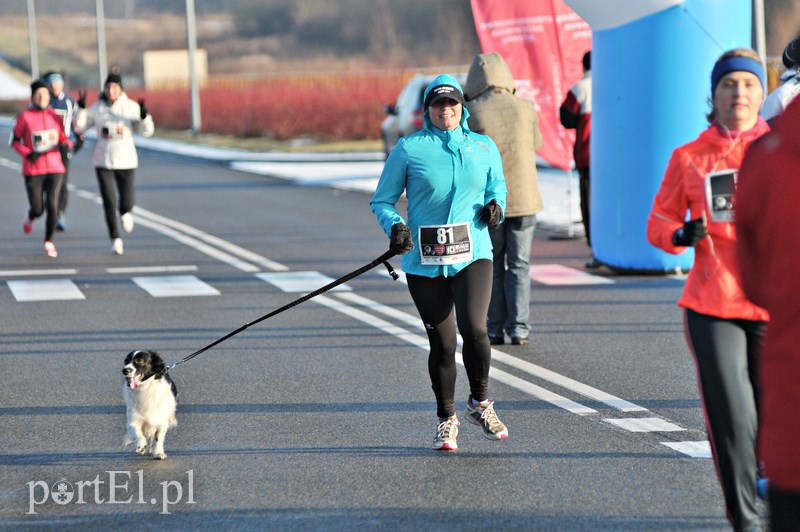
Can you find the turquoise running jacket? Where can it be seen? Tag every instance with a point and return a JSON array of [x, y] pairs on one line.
[[448, 176]]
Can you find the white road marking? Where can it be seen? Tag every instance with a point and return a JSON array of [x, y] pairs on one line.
[[153, 269], [422, 343], [45, 290], [499, 356], [175, 286], [645, 424], [694, 449], [32, 273], [556, 274], [293, 282]]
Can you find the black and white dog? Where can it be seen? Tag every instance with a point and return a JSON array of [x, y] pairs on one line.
[[151, 401]]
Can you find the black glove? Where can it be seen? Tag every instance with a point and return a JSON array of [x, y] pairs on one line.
[[690, 234], [142, 109], [400, 240], [82, 99], [64, 150], [78, 144], [492, 214], [33, 156]]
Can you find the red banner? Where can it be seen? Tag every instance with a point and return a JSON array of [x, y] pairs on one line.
[[543, 42]]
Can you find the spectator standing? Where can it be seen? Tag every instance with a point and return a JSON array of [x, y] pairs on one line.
[[723, 328], [769, 251], [65, 106], [453, 179], [512, 123], [789, 88], [576, 113], [38, 136], [116, 118]]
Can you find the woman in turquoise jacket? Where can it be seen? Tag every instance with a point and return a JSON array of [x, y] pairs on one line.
[[453, 179]]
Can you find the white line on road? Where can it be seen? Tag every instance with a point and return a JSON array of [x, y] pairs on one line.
[[32, 273], [45, 290], [153, 269], [175, 286], [422, 343]]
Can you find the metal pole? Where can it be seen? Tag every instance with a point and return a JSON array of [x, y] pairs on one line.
[[191, 37], [32, 40], [101, 42], [759, 31]]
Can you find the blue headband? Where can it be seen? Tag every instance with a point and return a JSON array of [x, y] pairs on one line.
[[54, 77], [735, 64]]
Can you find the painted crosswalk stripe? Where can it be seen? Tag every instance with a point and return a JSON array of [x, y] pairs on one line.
[[694, 449], [292, 282], [45, 290], [175, 286], [645, 424], [31, 273], [556, 274]]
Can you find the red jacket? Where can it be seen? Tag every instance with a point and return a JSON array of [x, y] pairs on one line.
[[40, 130], [769, 252], [576, 113], [713, 286]]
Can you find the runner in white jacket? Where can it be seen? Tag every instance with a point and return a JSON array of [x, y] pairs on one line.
[[116, 118]]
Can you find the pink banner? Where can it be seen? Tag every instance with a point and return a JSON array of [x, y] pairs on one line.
[[543, 42]]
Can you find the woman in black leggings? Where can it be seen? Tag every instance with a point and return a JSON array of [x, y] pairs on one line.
[[454, 182]]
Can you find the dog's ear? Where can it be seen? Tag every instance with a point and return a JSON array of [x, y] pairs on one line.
[[156, 363], [129, 357]]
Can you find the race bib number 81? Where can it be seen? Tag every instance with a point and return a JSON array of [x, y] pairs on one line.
[[445, 244]]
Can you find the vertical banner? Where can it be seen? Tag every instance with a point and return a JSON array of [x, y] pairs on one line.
[[542, 42]]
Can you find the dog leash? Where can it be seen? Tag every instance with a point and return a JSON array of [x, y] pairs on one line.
[[355, 273]]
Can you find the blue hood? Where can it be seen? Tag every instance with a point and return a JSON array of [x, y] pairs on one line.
[[445, 79]]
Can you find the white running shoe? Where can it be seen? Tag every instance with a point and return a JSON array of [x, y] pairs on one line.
[[116, 247], [127, 222], [446, 435], [483, 415], [50, 249]]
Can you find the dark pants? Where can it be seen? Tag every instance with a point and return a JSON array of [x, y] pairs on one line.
[[111, 182], [467, 293], [43, 191], [726, 353], [784, 510], [583, 188]]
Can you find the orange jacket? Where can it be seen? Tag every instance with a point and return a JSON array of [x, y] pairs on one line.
[[713, 286]]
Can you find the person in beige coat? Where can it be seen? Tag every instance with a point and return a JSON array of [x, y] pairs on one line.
[[513, 125], [116, 118]]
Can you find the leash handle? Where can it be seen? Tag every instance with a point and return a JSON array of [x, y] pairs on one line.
[[355, 273]]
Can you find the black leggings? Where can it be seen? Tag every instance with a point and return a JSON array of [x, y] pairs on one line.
[[467, 293], [726, 352], [110, 181], [43, 191]]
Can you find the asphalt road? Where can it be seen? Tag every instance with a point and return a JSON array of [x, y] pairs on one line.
[[322, 417]]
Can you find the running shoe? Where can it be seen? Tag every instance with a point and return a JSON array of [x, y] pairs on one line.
[[483, 415], [446, 434], [50, 249], [61, 223], [116, 247], [27, 223], [127, 222]]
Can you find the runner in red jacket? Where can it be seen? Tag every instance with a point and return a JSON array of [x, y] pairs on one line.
[[39, 137], [769, 252]]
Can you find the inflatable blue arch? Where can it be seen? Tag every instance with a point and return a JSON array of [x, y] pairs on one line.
[[651, 65]]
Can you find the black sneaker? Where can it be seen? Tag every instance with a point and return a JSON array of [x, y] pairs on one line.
[[518, 340], [496, 340]]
